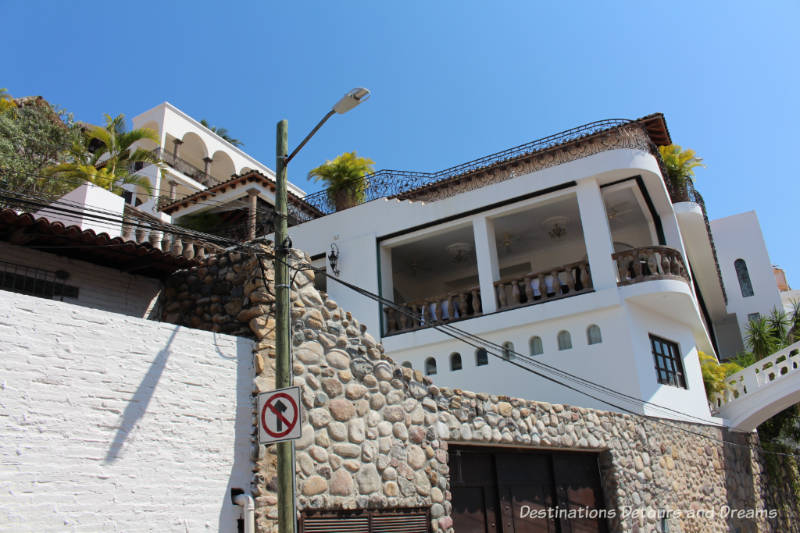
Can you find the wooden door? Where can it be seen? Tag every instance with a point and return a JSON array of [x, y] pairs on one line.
[[498, 490]]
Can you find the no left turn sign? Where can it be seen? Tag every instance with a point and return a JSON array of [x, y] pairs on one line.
[[279, 415]]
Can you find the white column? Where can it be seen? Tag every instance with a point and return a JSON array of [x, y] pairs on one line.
[[387, 275], [597, 234], [486, 256]]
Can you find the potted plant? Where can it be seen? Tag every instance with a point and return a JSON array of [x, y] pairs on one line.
[[345, 179], [680, 165]]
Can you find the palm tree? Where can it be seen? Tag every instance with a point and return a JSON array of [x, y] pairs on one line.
[[222, 132], [345, 178], [108, 165], [779, 324], [759, 338], [680, 165]]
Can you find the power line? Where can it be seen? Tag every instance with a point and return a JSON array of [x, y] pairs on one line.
[[479, 342]]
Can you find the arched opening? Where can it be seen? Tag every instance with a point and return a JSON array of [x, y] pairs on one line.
[[536, 345], [593, 335], [430, 366], [564, 340], [508, 350], [455, 361], [481, 357], [221, 168], [744, 278], [191, 153]]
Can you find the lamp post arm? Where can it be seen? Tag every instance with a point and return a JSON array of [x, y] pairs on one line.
[[304, 141]]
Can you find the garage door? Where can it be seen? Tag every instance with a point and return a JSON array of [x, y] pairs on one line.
[[518, 491]]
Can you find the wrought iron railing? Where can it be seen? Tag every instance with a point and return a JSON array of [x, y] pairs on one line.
[[389, 183], [186, 168], [558, 282]]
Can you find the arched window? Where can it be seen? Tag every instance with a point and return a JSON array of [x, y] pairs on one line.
[[564, 340], [455, 361], [481, 357], [536, 345], [508, 350], [744, 278], [407, 364], [593, 335], [430, 366]]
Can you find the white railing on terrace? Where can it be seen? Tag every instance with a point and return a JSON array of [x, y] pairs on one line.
[[758, 375]]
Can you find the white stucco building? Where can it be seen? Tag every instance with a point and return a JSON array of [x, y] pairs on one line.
[[195, 160], [568, 250]]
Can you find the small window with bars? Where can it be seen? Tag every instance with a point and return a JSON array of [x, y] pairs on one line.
[[36, 282], [669, 367], [363, 521]]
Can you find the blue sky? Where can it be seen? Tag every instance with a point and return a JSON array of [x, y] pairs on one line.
[[451, 80]]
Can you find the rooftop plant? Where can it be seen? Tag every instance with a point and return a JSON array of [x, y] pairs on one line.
[[345, 179]]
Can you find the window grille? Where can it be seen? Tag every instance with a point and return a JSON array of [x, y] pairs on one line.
[[379, 521], [455, 361], [35, 282], [669, 367]]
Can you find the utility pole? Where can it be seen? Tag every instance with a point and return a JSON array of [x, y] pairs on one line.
[[283, 363], [286, 518]]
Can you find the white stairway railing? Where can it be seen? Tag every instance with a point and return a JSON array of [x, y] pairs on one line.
[[759, 375]]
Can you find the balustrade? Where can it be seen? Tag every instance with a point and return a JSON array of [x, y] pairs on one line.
[[166, 242], [649, 263], [558, 282], [455, 305]]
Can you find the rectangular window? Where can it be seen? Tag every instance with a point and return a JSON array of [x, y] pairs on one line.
[[363, 521], [752, 317], [669, 367], [35, 282]]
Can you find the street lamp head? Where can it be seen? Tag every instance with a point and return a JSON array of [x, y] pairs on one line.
[[351, 99]]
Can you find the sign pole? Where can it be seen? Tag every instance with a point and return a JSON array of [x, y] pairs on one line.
[[286, 470]]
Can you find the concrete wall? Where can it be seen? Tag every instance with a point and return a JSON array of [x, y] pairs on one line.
[[99, 287], [739, 237], [114, 423]]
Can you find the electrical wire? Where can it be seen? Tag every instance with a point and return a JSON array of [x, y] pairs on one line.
[[479, 342]]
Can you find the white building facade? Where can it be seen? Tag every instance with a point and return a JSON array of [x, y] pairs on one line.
[[571, 255]]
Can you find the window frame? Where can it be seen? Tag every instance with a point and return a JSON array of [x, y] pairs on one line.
[[481, 357], [589, 335], [743, 277], [541, 345], [674, 376], [456, 360], [430, 363]]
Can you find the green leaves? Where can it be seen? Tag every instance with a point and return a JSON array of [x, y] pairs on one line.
[[222, 132], [344, 177], [680, 163], [108, 165], [715, 373]]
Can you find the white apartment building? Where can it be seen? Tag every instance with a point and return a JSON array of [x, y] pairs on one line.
[[566, 249]]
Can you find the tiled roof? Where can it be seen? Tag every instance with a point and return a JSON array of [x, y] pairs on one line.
[[25, 229], [242, 180]]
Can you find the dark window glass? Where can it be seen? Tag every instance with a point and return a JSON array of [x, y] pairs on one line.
[[744, 278], [536, 345], [481, 357], [455, 361], [430, 366], [669, 367]]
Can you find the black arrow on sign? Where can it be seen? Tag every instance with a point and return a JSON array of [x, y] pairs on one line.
[[280, 407]]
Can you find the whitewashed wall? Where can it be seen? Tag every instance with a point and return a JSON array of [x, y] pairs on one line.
[[99, 287], [115, 423]]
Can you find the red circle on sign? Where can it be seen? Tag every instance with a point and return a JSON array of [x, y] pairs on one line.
[[289, 424]]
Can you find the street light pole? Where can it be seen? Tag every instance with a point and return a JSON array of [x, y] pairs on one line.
[[283, 363], [286, 518]]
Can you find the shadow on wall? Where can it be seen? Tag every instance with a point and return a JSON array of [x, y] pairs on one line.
[[138, 404], [241, 469]]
